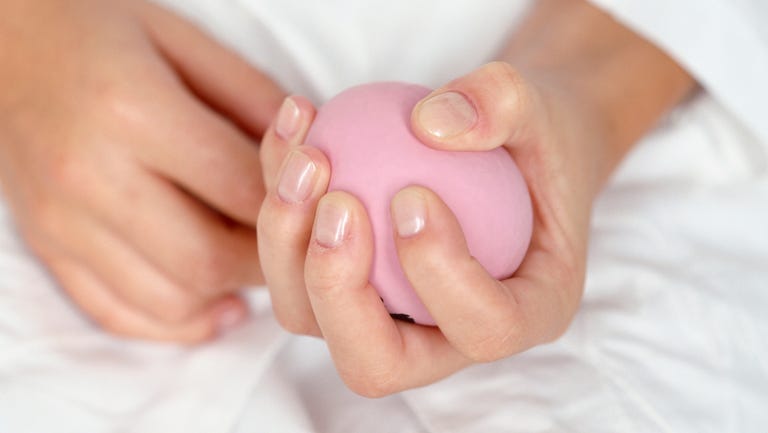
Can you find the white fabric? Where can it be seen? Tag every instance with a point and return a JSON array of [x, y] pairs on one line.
[[671, 337], [722, 42]]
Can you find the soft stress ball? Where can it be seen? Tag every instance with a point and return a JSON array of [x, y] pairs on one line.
[[365, 133]]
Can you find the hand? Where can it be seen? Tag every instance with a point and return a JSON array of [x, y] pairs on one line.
[[128, 156], [566, 127], [319, 284]]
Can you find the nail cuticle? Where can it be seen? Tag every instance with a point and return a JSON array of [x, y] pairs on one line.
[[288, 119], [331, 225], [409, 213], [297, 179], [448, 114]]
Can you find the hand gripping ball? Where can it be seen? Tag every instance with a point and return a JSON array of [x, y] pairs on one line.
[[365, 133]]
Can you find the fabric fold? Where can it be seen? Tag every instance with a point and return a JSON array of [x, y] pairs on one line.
[[723, 43]]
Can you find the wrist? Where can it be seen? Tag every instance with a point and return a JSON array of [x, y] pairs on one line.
[[609, 83]]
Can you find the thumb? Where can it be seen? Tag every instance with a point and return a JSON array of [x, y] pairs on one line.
[[490, 107], [218, 76]]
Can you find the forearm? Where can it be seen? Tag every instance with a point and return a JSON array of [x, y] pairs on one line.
[[621, 81]]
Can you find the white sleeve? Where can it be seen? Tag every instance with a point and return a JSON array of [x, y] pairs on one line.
[[723, 43]]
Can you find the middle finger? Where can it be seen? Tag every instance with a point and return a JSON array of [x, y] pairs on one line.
[[284, 228]]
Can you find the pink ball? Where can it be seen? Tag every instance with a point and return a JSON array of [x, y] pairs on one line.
[[365, 132]]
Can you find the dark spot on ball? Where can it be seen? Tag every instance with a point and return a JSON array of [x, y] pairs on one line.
[[403, 317]]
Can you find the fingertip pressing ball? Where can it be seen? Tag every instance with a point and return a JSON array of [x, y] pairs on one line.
[[365, 132]]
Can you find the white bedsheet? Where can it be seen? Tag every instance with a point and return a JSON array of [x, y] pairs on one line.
[[672, 335]]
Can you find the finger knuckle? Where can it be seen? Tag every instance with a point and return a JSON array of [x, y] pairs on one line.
[[373, 384], [323, 281], [298, 324], [268, 225], [566, 304], [496, 342], [512, 86], [116, 103], [503, 73]]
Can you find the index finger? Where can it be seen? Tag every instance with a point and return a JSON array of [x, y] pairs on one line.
[[374, 354]]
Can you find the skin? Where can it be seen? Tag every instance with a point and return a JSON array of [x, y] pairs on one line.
[[129, 159], [571, 94]]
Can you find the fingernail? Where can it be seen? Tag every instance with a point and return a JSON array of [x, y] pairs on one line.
[[331, 223], [447, 115], [297, 178], [288, 119], [230, 317], [409, 212]]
